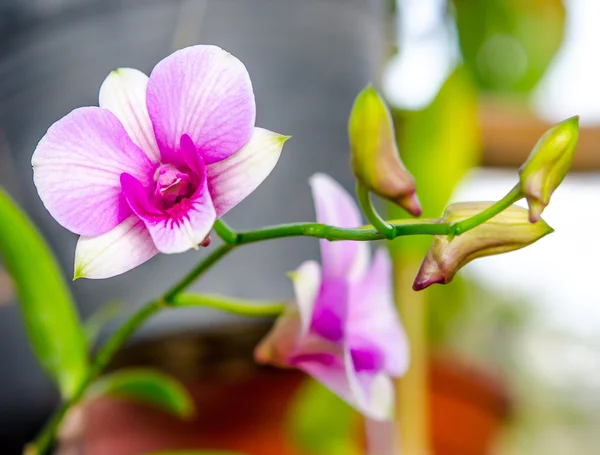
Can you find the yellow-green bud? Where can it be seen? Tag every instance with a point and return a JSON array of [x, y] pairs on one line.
[[508, 231], [547, 165], [375, 159]]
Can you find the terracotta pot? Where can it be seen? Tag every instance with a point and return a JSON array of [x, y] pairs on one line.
[[242, 407], [468, 406]]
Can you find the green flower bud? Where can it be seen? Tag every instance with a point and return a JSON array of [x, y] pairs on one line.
[[547, 165], [508, 231], [375, 159]]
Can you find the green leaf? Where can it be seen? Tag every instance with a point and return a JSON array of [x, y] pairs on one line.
[[47, 306], [438, 144], [99, 319], [148, 387], [321, 423], [508, 44]]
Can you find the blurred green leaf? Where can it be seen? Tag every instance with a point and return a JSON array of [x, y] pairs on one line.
[[99, 319], [145, 386], [509, 44], [438, 144], [446, 306], [321, 423], [46, 303]]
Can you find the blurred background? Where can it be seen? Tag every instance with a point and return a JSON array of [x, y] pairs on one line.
[[505, 359]]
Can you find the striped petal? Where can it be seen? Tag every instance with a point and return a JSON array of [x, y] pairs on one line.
[[230, 181], [77, 167], [118, 251], [123, 92], [206, 93]]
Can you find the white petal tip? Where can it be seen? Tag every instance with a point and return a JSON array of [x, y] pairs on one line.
[[79, 268], [283, 139]]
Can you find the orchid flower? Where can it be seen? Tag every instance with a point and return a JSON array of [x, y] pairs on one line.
[[160, 159], [343, 328]]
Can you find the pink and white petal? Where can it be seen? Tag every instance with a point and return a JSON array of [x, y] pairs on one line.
[[119, 250], [123, 92], [371, 394], [372, 391], [307, 282], [77, 167], [332, 374], [335, 207], [279, 345], [372, 315], [230, 181], [206, 93], [188, 231]]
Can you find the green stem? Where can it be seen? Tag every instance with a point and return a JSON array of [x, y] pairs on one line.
[[236, 306], [227, 234], [172, 297], [366, 204], [43, 441], [193, 275], [114, 343], [323, 231], [513, 196]]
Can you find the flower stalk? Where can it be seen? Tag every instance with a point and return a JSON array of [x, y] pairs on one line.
[[232, 239], [364, 200]]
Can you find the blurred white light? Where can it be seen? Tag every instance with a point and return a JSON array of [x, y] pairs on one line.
[[428, 53], [559, 274], [572, 84]]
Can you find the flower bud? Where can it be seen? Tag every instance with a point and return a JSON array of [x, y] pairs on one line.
[[547, 165], [508, 231], [374, 155]]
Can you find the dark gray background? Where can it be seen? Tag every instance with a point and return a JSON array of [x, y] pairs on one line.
[[307, 61]]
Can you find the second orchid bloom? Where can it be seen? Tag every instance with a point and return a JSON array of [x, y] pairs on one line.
[[343, 328]]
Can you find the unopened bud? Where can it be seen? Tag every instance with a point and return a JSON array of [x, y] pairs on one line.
[[375, 159], [547, 165], [508, 231]]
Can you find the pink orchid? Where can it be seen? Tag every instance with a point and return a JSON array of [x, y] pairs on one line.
[[343, 329], [155, 165]]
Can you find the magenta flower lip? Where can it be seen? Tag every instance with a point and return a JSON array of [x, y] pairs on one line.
[[155, 165], [343, 330]]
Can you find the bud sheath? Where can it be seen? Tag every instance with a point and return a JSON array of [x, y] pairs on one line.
[[374, 155], [508, 231], [547, 165]]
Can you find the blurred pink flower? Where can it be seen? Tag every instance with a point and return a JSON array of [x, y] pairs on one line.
[[343, 329], [155, 165]]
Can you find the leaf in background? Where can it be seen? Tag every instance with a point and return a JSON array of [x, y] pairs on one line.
[[99, 319], [439, 144], [320, 423], [145, 386], [46, 303], [509, 44]]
